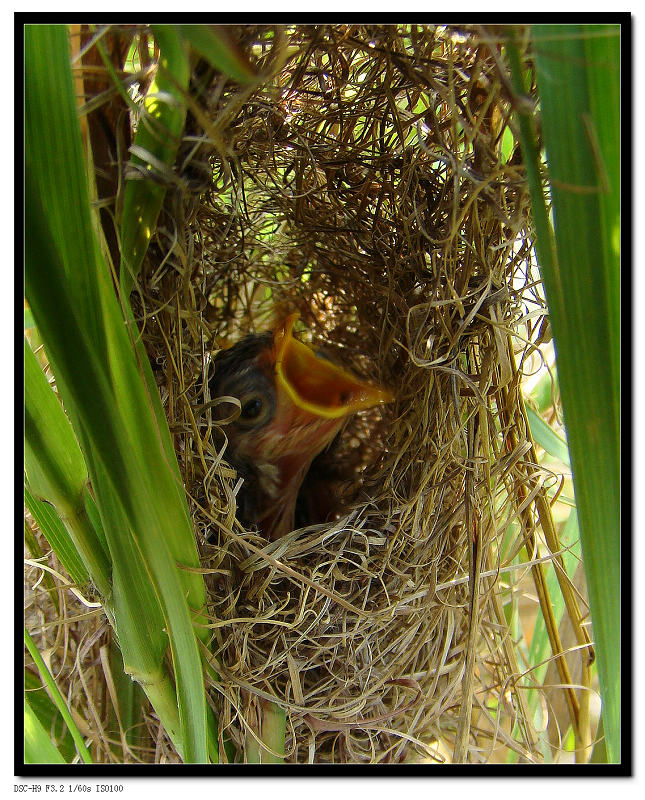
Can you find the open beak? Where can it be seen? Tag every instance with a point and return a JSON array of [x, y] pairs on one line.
[[313, 399], [314, 384]]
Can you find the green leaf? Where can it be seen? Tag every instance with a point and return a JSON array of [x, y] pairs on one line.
[[49, 681], [211, 42], [98, 415], [578, 78], [32, 547], [58, 538], [49, 716], [545, 393], [546, 437], [130, 699], [39, 748], [154, 151], [54, 464], [29, 319], [106, 384], [54, 150], [56, 472]]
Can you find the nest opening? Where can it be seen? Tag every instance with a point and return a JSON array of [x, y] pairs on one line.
[[372, 185]]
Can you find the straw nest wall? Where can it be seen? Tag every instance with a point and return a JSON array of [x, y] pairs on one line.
[[371, 183]]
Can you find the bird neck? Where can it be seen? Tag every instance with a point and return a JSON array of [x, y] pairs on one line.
[[289, 460], [278, 517]]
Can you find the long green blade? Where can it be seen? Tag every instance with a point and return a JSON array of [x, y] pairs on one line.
[[49, 716], [107, 389], [39, 749], [578, 77], [54, 464], [211, 42], [55, 471], [57, 537], [49, 681]]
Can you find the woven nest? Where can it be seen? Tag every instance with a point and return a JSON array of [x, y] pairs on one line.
[[367, 184]]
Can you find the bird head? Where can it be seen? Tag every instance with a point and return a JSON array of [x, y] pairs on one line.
[[292, 403]]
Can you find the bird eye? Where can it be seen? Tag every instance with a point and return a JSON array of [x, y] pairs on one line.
[[252, 408]]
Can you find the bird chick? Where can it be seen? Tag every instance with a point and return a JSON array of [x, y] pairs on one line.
[[292, 404]]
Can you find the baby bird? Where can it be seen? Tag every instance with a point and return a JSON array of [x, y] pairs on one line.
[[293, 403]]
